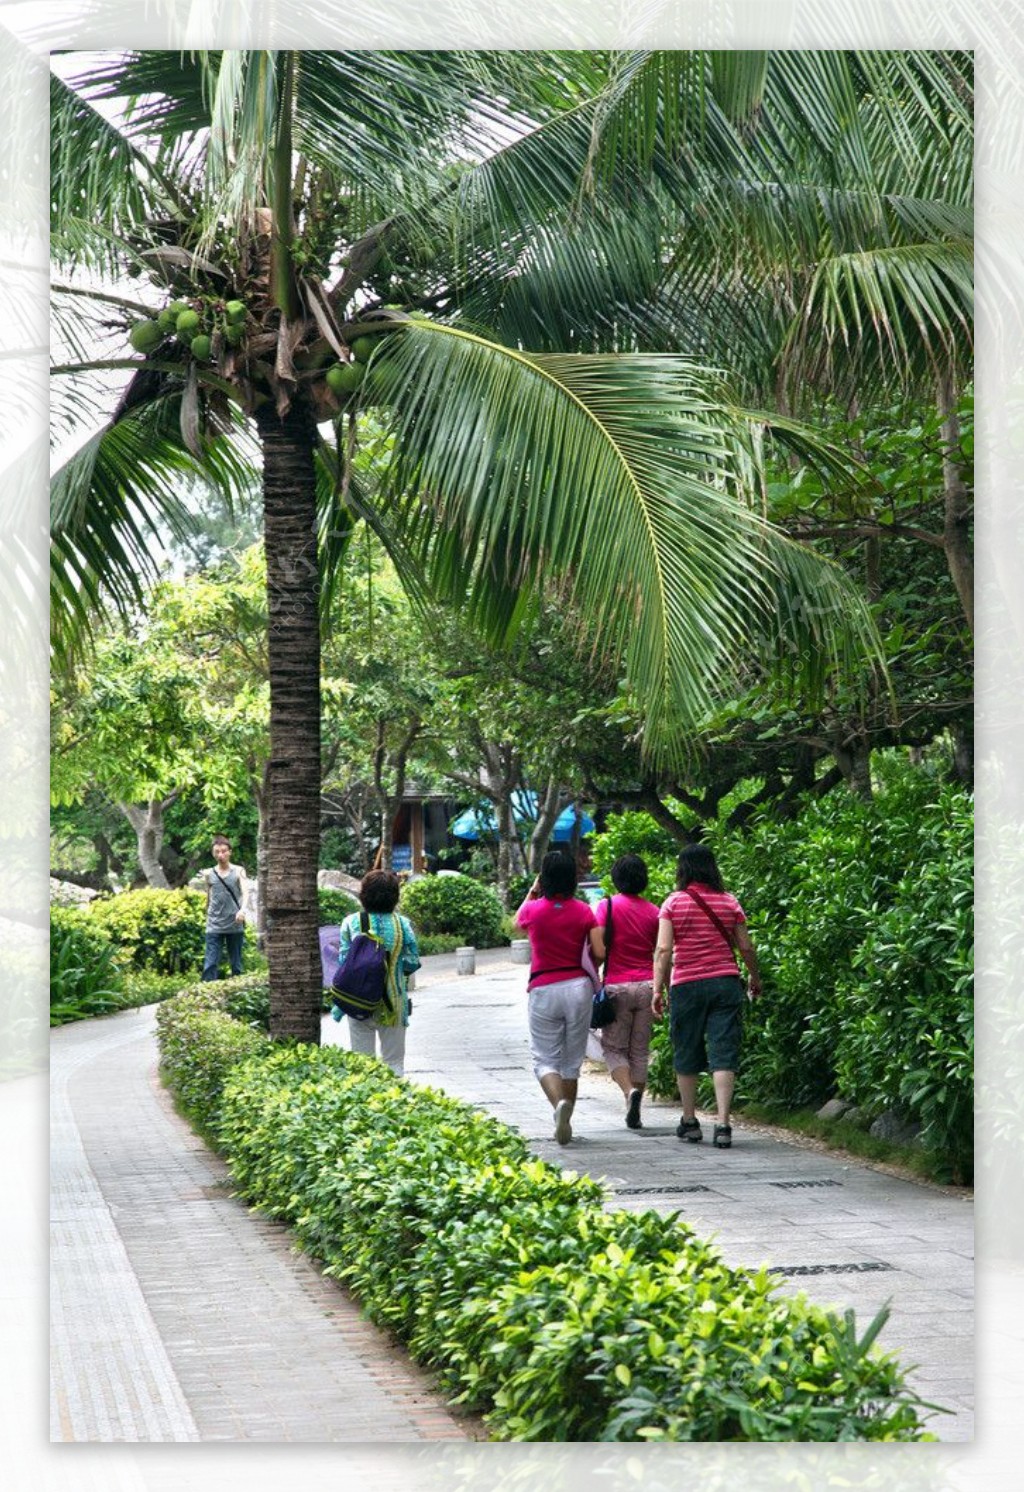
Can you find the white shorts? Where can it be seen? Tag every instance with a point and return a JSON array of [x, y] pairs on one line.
[[559, 1021]]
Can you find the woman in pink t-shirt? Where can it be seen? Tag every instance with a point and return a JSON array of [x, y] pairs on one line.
[[560, 991], [701, 925], [628, 953]]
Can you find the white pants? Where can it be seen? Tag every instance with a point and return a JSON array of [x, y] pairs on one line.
[[559, 1021], [362, 1037]]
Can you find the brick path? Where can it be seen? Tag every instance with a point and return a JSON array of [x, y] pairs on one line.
[[176, 1314]]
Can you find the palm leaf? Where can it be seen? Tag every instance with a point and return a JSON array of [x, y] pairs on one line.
[[630, 482], [112, 505]]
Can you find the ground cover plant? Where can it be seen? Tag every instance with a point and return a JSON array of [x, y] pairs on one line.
[[556, 1319]]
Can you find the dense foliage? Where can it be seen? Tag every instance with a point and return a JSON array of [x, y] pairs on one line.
[[200, 1042], [85, 977], [457, 905], [160, 930], [861, 914], [559, 1320], [335, 905]]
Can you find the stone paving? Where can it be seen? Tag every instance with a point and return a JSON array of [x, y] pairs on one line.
[[178, 1315]]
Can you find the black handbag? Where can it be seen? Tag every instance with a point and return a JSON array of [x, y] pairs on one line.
[[602, 1010]]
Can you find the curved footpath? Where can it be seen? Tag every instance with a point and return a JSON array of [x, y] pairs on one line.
[[177, 1314]]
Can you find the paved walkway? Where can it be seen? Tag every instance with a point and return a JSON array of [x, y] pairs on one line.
[[176, 1314]]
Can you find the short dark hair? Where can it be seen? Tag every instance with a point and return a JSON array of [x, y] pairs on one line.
[[221, 839], [379, 891], [557, 874], [697, 863], [629, 875]]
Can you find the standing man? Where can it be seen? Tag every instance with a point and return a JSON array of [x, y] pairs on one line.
[[226, 890]]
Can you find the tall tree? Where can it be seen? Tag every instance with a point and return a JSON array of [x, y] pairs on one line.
[[313, 232]]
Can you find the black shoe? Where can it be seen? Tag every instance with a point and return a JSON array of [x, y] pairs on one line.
[[689, 1129], [633, 1120], [722, 1137]]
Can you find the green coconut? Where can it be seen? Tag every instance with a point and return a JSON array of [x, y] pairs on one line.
[[234, 333], [177, 306], [361, 349], [235, 310], [200, 347], [167, 319], [187, 323], [145, 336]]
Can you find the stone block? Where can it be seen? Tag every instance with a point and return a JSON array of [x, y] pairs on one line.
[[896, 1130], [836, 1108]]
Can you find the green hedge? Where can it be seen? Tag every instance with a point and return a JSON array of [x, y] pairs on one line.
[[201, 1041], [164, 931], [85, 976], [457, 905], [557, 1319], [861, 915]]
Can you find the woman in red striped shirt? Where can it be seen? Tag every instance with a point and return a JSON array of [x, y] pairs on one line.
[[700, 930]]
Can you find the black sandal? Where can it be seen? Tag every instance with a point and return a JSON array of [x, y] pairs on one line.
[[689, 1129], [722, 1137]]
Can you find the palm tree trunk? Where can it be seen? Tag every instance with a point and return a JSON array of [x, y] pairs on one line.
[[293, 771]]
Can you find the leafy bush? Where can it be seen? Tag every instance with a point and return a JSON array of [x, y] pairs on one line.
[[906, 1038], [637, 834], [559, 1320], [85, 977], [518, 886], [860, 913], [200, 1043], [164, 931], [335, 905], [454, 904]]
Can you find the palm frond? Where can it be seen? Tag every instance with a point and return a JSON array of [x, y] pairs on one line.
[[112, 506], [898, 314], [630, 481], [102, 185]]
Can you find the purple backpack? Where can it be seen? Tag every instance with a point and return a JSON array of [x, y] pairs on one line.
[[360, 983]]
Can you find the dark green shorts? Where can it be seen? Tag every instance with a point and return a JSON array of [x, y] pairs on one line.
[[706, 1022]]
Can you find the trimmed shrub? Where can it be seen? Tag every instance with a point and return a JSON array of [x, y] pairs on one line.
[[85, 977], [164, 931], [557, 1319], [200, 1043], [457, 905]]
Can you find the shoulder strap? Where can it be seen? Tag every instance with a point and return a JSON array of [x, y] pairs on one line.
[[696, 896], [229, 888], [608, 928]]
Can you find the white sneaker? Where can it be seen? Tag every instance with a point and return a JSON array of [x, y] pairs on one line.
[[563, 1129]]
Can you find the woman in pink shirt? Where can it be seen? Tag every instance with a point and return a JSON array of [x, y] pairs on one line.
[[560, 992], [627, 947], [701, 929]]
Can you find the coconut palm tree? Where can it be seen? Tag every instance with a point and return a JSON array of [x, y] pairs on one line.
[[466, 241]]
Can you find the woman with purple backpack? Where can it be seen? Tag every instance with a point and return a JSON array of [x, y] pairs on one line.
[[701, 929]]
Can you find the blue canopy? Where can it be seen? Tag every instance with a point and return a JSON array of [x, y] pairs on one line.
[[474, 822], [564, 823]]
